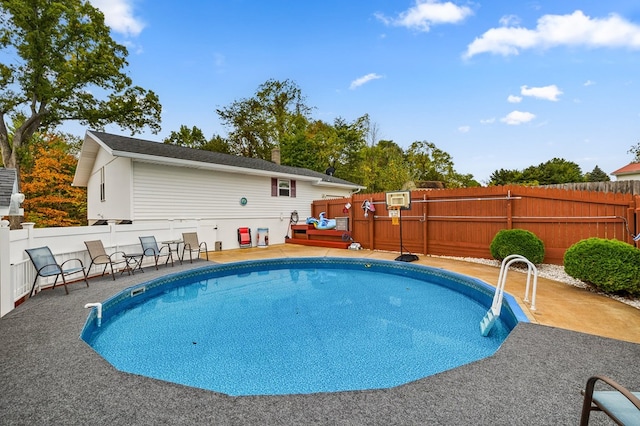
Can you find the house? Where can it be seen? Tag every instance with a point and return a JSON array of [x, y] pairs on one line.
[[629, 172], [132, 180], [10, 199]]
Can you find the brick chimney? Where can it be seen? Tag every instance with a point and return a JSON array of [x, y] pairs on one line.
[[275, 155]]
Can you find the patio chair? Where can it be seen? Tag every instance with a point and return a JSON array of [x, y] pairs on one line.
[[244, 237], [150, 249], [99, 256], [621, 405], [47, 266], [192, 245]]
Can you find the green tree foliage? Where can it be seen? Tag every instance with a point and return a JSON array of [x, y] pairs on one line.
[[60, 63], [556, 170], [277, 116], [597, 175], [302, 148], [259, 124], [386, 168], [427, 162], [347, 148], [217, 144], [506, 177], [192, 138]]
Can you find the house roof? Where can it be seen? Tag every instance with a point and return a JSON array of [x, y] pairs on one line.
[[629, 169], [161, 153], [7, 186]]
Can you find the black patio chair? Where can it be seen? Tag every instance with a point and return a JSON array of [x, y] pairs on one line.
[[47, 266]]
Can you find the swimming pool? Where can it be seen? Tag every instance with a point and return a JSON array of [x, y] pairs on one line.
[[304, 325]]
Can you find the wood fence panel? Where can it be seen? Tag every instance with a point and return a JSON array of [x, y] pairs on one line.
[[462, 222]]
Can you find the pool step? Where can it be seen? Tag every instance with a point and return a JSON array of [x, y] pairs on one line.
[[488, 321]]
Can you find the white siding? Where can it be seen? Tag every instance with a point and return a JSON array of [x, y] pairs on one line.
[[117, 204], [628, 177], [180, 193]]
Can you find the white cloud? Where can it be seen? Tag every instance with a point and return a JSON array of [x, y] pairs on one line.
[[515, 118], [575, 29], [514, 99], [488, 120], [509, 20], [118, 15], [589, 83], [426, 13], [464, 129], [549, 93], [364, 79]]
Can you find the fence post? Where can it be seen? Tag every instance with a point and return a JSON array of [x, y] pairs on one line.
[[425, 225], [634, 217], [112, 234], [509, 211], [29, 227], [6, 285]]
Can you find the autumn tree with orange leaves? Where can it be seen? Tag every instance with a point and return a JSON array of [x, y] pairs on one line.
[[50, 200]]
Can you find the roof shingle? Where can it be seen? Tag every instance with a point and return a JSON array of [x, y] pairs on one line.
[[144, 147]]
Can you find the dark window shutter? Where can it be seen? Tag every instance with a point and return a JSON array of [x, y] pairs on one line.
[[293, 189], [274, 187]]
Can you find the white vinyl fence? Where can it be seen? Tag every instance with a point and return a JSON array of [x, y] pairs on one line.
[[17, 272]]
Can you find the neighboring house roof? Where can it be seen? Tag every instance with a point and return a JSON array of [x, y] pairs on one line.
[[629, 169], [161, 153], [7, 186]]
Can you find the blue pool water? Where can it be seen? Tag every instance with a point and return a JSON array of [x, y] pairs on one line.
[[298, 326]]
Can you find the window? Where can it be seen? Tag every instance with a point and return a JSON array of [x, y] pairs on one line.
[[283, 188], [103, 196]]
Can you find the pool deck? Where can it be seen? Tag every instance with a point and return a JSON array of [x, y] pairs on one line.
[[49, 376]]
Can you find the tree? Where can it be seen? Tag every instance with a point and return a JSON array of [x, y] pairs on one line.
[[635, 150], [217, 144], [62, 64], [50, 199], [386, 169], [505, 177], [427, 162], [301, 149], [259, 124], [192, 138], [346, 148], [597, 175], [556, 170]]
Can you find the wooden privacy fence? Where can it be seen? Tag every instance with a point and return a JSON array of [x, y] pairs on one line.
[[463, 222]]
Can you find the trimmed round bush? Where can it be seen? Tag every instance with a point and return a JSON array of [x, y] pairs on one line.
[[611, 266], [517, 241]]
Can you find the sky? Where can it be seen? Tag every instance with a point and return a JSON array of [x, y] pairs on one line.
[[497, 84]]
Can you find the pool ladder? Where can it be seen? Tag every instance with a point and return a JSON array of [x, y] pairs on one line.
[[494, 312]]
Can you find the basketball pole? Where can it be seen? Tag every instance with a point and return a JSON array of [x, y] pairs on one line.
[[404, 257]]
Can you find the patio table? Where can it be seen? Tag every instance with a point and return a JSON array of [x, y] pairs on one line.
[[170, 243]]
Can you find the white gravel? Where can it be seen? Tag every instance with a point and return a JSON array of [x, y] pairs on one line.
[[553, 272]]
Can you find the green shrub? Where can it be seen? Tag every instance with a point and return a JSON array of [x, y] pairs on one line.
[[517, 241], [611, 266]]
